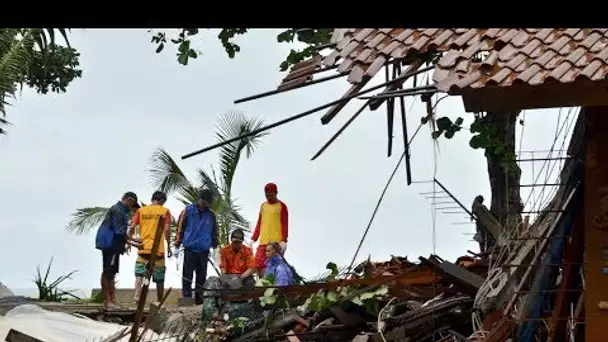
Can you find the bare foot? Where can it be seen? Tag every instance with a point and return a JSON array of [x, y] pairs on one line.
[[111, 306]]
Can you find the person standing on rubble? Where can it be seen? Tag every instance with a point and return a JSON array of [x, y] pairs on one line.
[[237, 259], [272, 225], [197, 231], [277, 266], [112, 240], [147, 218]]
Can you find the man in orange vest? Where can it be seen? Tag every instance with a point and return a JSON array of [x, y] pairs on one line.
[[147, 218], [272, 226], [237, 259]]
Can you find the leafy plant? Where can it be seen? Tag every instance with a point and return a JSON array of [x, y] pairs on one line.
[[323, 299], [31, 57], [49, 291], [313, 38], [485, 136]]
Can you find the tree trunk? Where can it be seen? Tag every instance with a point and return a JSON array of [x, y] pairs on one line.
[[505, 178]]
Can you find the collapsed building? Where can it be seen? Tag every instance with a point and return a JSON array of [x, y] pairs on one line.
[[541, 280], [545, 279]]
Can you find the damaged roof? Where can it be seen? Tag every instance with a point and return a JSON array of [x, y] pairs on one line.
[[538, 62]]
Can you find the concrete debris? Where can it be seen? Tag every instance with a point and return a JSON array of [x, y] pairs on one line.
[[5, 291]]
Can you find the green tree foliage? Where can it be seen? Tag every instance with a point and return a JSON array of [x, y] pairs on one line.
[[485, 136], [33, 58], [313, 38]]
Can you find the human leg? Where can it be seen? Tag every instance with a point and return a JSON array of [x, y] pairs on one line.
[[188, 273], [202, 259], [140, 273], [159, 278], [110, 269], [260, 259]]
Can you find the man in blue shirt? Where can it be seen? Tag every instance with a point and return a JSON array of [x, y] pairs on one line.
[[197, 231], [112, 239]]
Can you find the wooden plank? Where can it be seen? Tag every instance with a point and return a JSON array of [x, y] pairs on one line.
[[596, 222], [471, 281], [17, 336], [418, 276], [487, 221], [572, 258], [146, 283]]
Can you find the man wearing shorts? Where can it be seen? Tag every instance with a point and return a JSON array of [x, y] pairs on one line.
[[112, 239], [148, 218], [272, 226]]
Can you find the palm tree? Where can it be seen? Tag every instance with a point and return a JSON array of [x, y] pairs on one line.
[[166, 176]]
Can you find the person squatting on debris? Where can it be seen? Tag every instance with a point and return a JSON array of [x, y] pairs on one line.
[[237, 259], [197, 231], [112, 240], [277, 266], [272, 225], [147, 218]]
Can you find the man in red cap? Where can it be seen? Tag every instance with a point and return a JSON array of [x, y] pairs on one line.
[[272, 226]]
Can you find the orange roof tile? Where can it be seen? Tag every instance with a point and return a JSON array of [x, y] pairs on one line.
[[479, 64], [361, 53], [513, 55], [531, 56]]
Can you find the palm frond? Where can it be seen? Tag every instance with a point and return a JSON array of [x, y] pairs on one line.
[[4, 123], [238, 220], [86, 219], [210, 183], [15, 60], [166, 175], [231, 125]]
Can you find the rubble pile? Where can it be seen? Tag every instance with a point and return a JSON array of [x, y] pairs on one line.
[[395, 300]]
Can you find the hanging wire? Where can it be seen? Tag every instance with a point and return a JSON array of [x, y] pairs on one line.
[[545, 164], [434, 218], [572, 119], [556, 135], [371, 219]]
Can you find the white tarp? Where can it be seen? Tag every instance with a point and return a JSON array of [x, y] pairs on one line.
[[52, 326]]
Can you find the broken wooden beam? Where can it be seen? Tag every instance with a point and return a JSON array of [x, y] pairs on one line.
[[17, 336], [486, 221], [470, 281]]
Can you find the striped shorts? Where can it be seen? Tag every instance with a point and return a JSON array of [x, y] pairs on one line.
[[158, 275]]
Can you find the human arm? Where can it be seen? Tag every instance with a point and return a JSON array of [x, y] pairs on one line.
[[167, 229], [120, 221], [284, 222], [250, 263], [223, 261], [283, 275], [215, 241], [134, 222], [256, 231], [181, 226]]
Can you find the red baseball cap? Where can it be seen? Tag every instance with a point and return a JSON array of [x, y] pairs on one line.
[[270, 187]]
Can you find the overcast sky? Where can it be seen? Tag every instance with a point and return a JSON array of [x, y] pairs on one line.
[[60, 154]]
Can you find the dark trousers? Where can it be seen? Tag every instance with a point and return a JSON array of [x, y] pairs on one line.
[[194, 262]]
